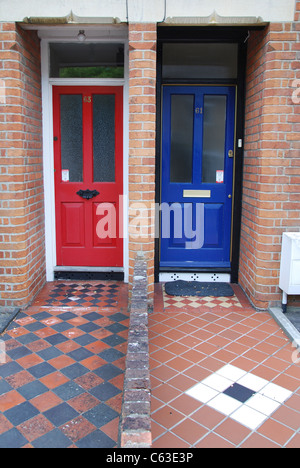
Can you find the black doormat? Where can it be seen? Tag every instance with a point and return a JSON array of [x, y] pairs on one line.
[[197, 288]]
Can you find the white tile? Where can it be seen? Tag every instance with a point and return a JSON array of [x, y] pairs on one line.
[[224, 404], [201, 393], [248, 417], [231, 372], [263, 404], [276, 392], [217, 382], [253, 382]]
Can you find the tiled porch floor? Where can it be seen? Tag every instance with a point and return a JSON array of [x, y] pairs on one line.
[[223, 375], [61, 378]]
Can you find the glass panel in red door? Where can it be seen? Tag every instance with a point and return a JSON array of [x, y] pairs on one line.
[[88, 159]]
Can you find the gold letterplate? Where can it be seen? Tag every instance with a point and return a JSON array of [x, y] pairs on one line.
[[196, 193]]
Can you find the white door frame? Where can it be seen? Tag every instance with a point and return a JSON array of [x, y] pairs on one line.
[[100, 34]]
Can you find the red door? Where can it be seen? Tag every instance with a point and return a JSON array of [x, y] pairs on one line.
[[88, 161]]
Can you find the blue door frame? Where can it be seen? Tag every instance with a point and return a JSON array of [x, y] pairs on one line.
[[196, 214]]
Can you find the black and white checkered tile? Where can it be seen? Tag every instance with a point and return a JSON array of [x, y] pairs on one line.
[[243, 396]]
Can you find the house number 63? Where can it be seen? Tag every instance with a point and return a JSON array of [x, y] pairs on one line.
[[87, 99]]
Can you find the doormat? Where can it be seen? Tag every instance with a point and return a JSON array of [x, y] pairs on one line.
[[197, 288], [7, 315]]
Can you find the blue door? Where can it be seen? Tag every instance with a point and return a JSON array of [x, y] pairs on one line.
[[197, 176]]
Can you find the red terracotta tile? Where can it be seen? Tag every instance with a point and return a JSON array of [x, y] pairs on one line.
[[214, 441], [61, 361], [167, 417], [77, 428], [276, 431], [83, 402], [207, 417], [189, 431], [258, 441], [169, 440], [232, 431], [88, 381], [166, 393], [54, 380], [30, 360], [35, 427], [5, 425], [20, 379], [45, 401], [9, 400]]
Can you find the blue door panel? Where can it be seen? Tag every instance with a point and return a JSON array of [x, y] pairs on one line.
[[187, 242]]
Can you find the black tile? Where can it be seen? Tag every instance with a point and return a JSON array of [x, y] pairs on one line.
[[100, 415], [10, 368], [118, 317], [28, 338], [108, 371], [113, 340], [19, 352], [21, 413], [74, 370], [12, 439], [41, 370], [49, 353], [116, 328], [80, 354], [54, 439], [239, 392], [96, 439], [32, 390], [56, 339], [60, 414], [92, 316], [68, 390], [84, 340], [111, 355], [88, 327], [105, 391]]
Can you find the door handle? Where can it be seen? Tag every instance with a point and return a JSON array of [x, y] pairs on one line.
[[87, 194]]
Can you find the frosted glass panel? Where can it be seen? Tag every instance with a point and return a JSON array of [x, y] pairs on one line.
[[182, 131], [214, 122], [71, 136], [104, 138]]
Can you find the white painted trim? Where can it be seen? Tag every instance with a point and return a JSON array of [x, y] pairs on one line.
[[205, 277], [48, 154]]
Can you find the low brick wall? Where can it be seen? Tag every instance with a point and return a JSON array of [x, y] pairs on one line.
[[136, 422]]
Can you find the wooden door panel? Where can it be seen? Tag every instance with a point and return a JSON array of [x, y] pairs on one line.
[[72, 224], [88, 156], [197, 169]]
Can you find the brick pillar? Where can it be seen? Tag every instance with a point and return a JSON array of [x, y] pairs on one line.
[[142, 115], [271, 190], [22, 268]]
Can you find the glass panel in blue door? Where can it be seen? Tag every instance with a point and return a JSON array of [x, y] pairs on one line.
[[213, 150], [182, 131]]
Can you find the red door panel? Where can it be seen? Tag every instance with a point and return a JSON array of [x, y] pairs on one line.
[[88, 160], [72, 224]]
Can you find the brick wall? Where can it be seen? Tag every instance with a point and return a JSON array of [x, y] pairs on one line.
[[21, 181], [135, 430], [271, 190], [142, 115]]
